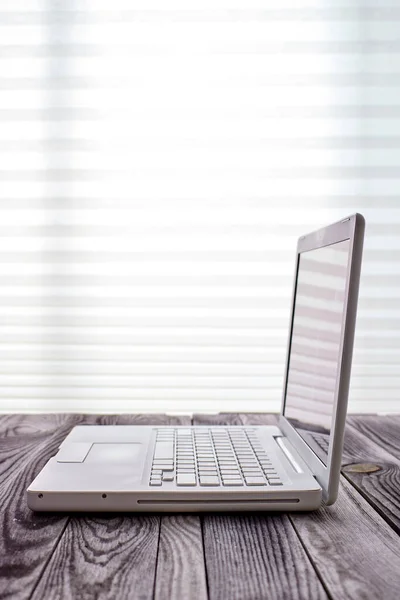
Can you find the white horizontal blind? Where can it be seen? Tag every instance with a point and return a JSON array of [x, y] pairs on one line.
[[158, 162]]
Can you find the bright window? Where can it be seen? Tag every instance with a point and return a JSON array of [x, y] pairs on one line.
[[158, 162]]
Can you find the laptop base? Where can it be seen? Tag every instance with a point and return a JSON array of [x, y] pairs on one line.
[[109, 469]]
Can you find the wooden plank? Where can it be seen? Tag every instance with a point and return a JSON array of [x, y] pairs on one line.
[[103, 557], [255, 556], [371, 469], [383, 430], [180, 567], [116, 556], [356, 553], [236, 419], [217, 419], [354, 550], [27, 540], [259, 418], [24, 426], [259, 556], [19, 437]]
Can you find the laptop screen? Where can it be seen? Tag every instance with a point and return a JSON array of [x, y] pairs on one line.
[[315, 343]]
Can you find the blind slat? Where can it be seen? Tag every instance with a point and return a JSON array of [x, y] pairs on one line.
[[157, 166]]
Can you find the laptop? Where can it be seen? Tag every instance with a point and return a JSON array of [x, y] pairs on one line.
[[294, 465]]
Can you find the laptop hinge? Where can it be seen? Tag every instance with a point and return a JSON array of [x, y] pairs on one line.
[[280, 441]]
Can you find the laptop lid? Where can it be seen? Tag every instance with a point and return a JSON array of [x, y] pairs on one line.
[[320, 347]]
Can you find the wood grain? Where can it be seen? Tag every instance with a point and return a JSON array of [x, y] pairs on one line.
[[356, 553], [111, 557], [236, 419], [347, 550], [258, 418], [217, 419], [371, 469], [103, 557], [259, 556], [383, 430], [20, 436], [180, 567], [255, 557], [336, 537], [27, 540]]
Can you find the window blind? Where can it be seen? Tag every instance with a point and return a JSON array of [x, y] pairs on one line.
[[158, 161]]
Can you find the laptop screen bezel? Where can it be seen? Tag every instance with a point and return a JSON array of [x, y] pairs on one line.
[[351, 229]]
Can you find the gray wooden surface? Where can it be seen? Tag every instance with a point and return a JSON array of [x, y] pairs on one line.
[[348, 550]]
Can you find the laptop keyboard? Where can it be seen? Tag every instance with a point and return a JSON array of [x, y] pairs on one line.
[[230, 457]]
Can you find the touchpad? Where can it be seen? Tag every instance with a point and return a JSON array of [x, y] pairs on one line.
[[114, 453]]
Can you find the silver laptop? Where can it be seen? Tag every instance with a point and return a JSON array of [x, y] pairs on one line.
[[292, 466]]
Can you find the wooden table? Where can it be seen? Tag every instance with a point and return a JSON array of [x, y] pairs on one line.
[[348, 550]]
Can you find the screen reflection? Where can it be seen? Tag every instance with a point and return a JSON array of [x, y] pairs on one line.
[[315, 348]]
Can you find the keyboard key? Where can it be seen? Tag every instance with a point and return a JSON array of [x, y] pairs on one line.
[[164, 450], [275, 482], [229, 470], [209, 480], [155, 482], [186, 479], [255, 481], [252, 472], [232, 482], [168, 477]]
